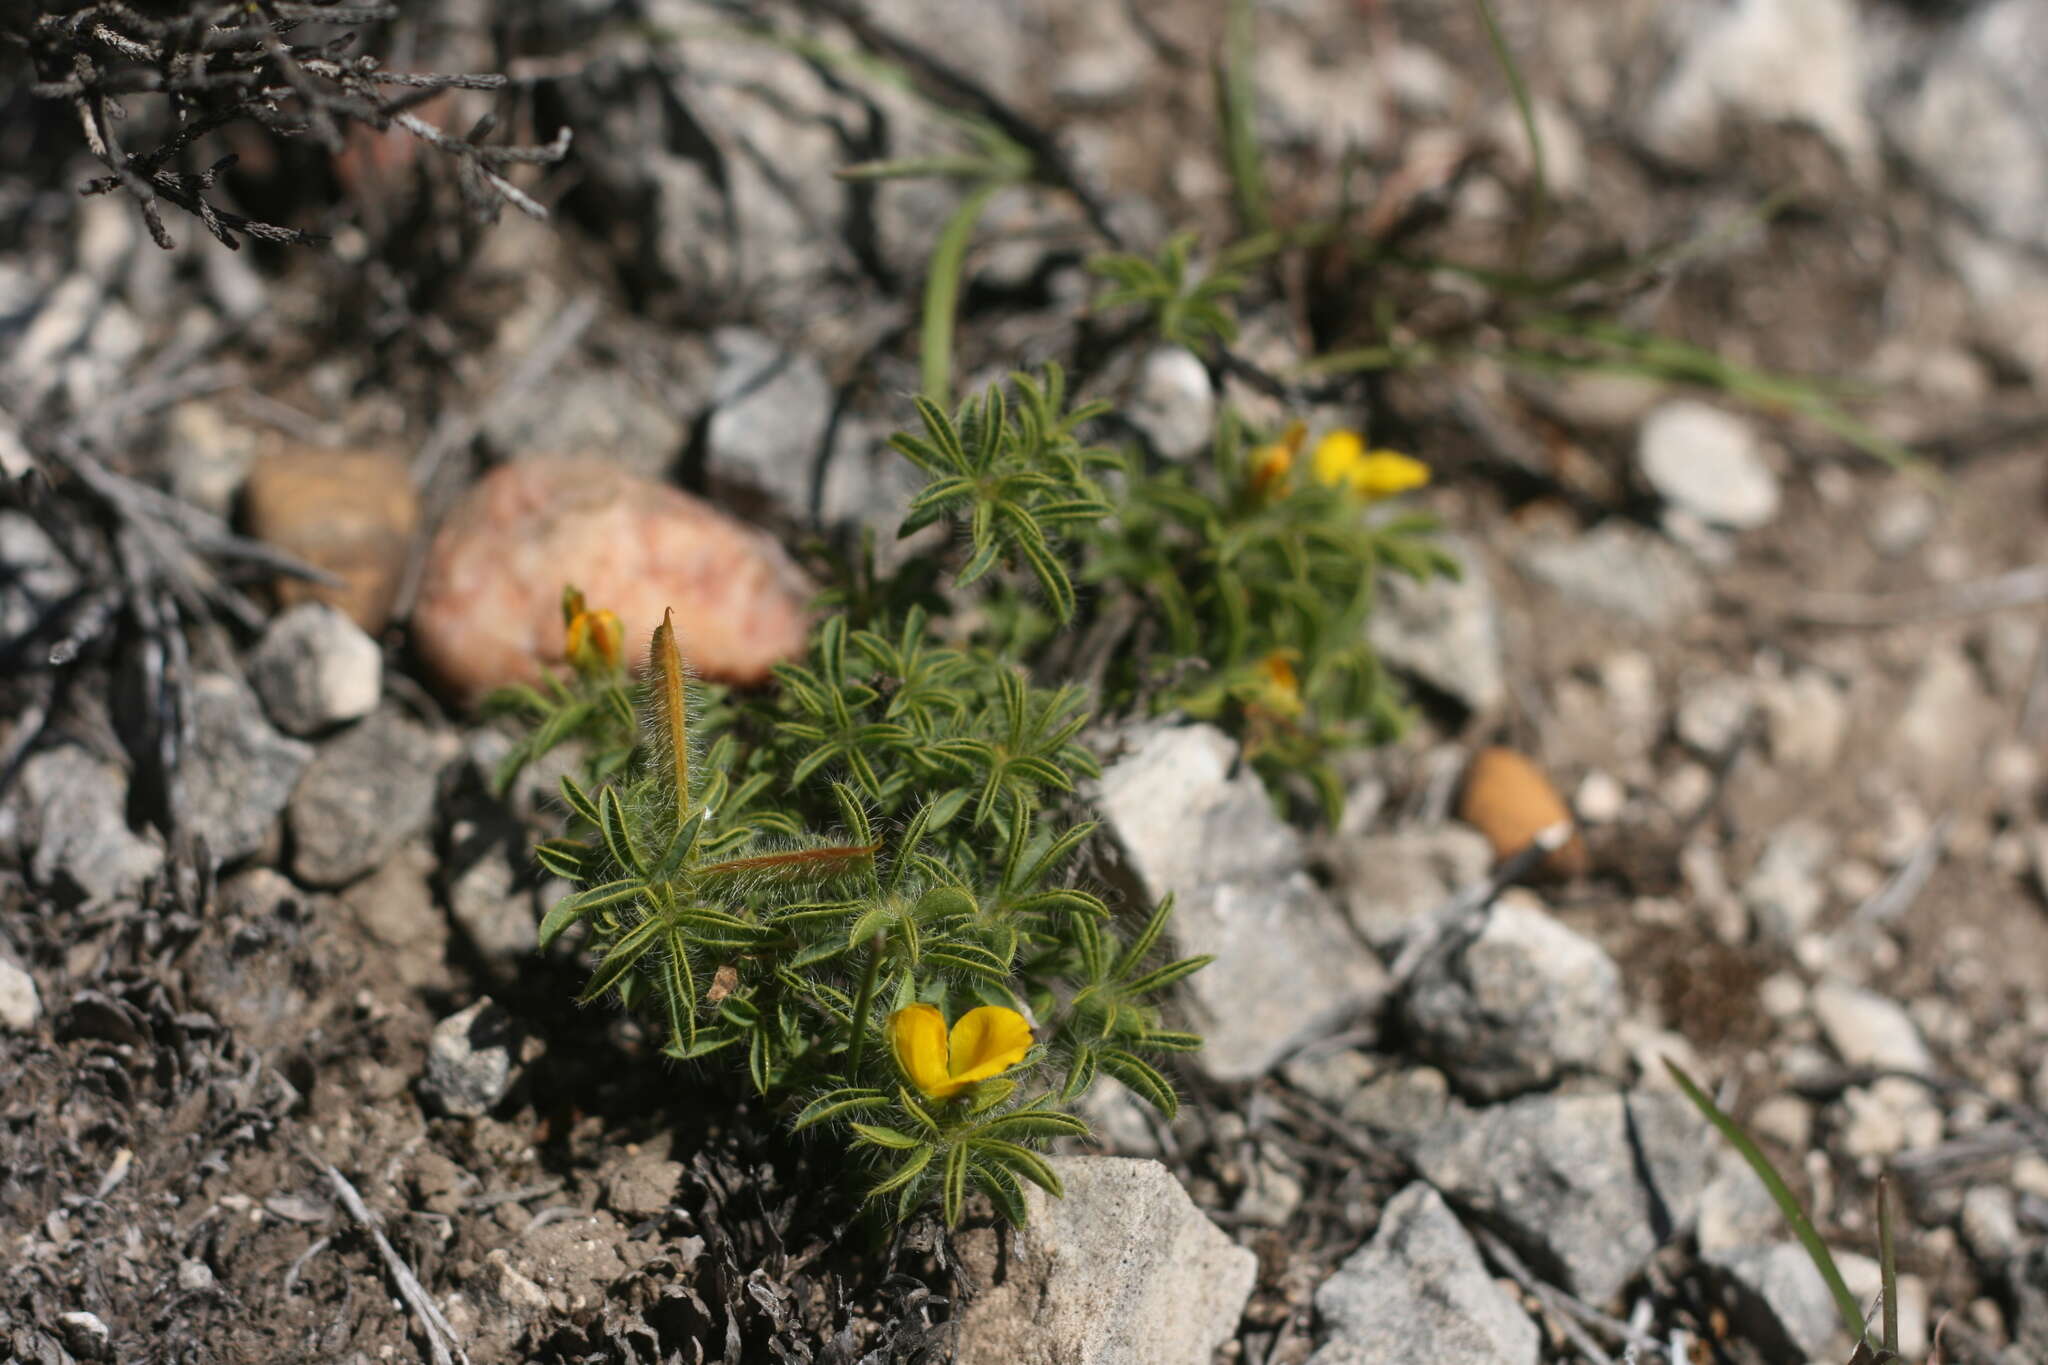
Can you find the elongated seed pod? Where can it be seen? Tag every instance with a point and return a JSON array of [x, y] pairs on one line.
[[672, 711]]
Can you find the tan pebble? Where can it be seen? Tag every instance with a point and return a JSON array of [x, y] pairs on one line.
[[1509, 800], [350, 512], [489, 611]]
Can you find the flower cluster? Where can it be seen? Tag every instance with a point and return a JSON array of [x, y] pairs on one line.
[[1340, 460]]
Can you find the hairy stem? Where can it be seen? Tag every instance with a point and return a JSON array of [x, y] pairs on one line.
[[862, 1004]]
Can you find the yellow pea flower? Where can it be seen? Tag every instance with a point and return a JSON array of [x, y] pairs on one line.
[[984, 1042], [1341, 460]]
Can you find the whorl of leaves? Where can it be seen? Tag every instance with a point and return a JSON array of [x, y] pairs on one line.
[[214, 64]]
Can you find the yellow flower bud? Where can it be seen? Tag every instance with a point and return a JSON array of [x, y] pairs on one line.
[[594, 639], [984, 1042], [1271, 463]]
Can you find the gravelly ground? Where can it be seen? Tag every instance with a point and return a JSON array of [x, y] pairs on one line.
[[207, 1048]]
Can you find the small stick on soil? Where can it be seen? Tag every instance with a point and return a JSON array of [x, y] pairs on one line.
[[441, 1338], [291, 1274], [519, 1195], [2019, 588], [1896, 896], [1570, 1312]]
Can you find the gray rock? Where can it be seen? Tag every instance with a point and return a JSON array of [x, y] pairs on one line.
[[643, 1186], [484, 895], [1124, 1270], [1971, 126], [1762, 62], [472, 1061], [1786, 892], [1387, 880], [20, 1005], [1186, 826], [770, 407], [1173, 404], [1712, 713], [1866, 1029], [1620, 569], [237, 773], [74, 823], [365, 793], [1419, 1292], [85, 1335], [34, 575], [1445, 631], [1561, 1177], [1708, 462], [1735, 1208], [1782, 1305], [1990, 1224], [1526, 1001], [1886, 1117], [316, 669], [595, 410], [1104, 62]]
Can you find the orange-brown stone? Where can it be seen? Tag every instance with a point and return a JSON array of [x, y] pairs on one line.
[[1509, 800], [350, 512], [489, 611]]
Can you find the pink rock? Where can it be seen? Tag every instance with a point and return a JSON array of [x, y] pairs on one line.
[[489, 610]]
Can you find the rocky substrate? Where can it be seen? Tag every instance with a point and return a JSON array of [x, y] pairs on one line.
[[283, 1077]]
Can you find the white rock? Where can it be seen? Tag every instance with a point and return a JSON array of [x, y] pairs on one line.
[[1708, 462], [1867, 1030], [20, 1005], [85, 1335], [1445, 631], [1762, 62], [1942, 727], [1335, 108], [315, 668], [1902, 520], [1971, 124], [1781, 1301], [1173, 405], [1185, 825], [1712, 713], [1807, 718], [1889, 1116], [1786, 892], [471, 1060], [1124, 1270], [1420, 1292], [1600, 798], [1564, 147]]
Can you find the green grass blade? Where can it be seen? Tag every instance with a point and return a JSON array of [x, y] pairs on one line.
[[942, 293], [1845, 1303]]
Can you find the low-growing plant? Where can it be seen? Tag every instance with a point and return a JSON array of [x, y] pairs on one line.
[[860, 883]]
